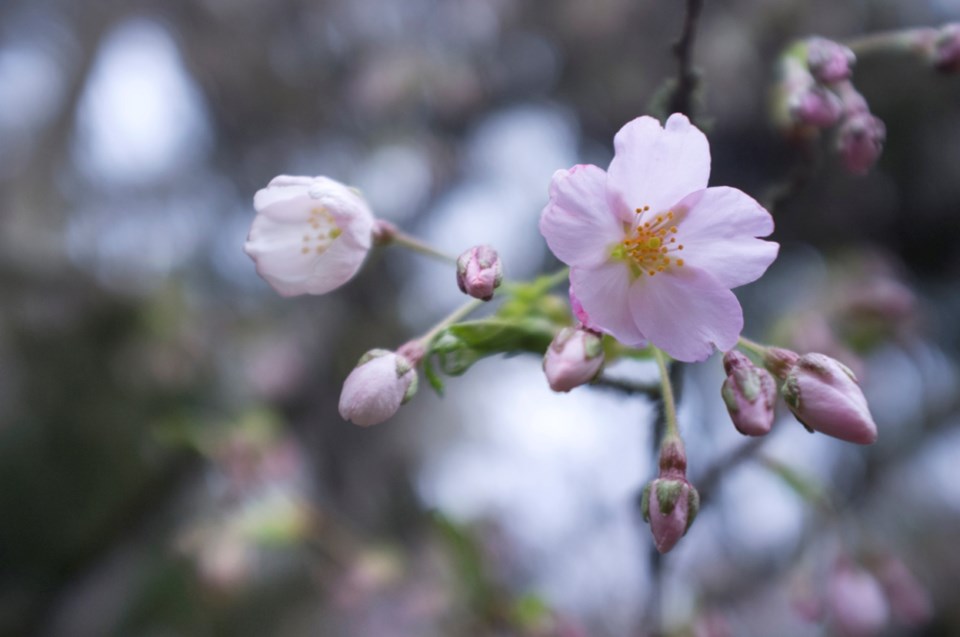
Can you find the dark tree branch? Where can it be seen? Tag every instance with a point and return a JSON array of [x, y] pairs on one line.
[[682, 97]]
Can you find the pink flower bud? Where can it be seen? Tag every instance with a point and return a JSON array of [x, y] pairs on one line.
[[574, 358], [310, 235], [377, 386], [909, 600], [829, 61], [860, 141], [815, 106], [856, 601], [479, 272], [946, 49], [824, 396], [670, 505], [749, 393], [779, 361]]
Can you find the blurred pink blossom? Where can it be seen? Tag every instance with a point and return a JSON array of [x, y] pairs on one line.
[[310, 235]]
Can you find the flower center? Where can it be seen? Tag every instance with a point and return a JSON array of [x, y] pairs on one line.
[[323, 231], [651, 245]]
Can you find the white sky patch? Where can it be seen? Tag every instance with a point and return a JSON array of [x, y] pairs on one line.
[[141, 117]]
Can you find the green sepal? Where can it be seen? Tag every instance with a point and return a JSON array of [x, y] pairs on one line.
[[729, 397], [645, 502], [668, 492], [411, 390], [693, 507]]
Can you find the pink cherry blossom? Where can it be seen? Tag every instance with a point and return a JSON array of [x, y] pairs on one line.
[[653, 251], [310, 235]]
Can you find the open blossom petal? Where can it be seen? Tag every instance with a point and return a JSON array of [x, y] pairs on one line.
[[720, 229], [686, 313], [655, 166], [601, 293], [577, 230], [655, 255], [310, 235]]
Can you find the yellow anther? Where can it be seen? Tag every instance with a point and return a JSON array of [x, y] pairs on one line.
[[680, 262]]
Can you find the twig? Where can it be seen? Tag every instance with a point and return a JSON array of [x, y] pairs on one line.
[[680, 101]]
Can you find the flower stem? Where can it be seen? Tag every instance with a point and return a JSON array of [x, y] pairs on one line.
[[452, 318], [666, 392], [907, 40], [411, 242], [752, 346]]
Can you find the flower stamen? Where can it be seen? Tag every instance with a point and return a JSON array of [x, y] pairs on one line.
[[649, 245], [326, 231]]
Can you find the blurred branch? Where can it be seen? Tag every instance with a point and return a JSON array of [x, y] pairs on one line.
[[682, 97], [628, 387]]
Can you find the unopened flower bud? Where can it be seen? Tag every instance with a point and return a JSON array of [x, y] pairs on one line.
[[815, 106], [479, 272], [824, 396], [574, 358], [377, 386], [946, 49], [909, 601], [749, 393], [779, 361], [310, 235], [670, 506], [856, 600], [829, 61], [860, 141]]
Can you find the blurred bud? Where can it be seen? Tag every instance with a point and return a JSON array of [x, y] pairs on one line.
[[806, 597], [815, 106], [574, 358], [778, 361], [310, 235], [749, 393], [856, 601], [479, 272], [829, 61], [909, 600], [946, 49], [824, 396], [860, 141], [712, 624], [377, 386], [670, 505]]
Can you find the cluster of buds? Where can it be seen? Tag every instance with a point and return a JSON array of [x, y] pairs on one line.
[[669, 503], [821, 392], [818, 94]]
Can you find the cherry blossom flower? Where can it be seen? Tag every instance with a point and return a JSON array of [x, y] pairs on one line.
[[310, 235], [653, 251]]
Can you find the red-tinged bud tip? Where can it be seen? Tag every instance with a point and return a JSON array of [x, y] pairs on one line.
[[479, 272]]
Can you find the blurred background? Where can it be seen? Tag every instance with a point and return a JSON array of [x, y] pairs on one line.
[[171, 457]]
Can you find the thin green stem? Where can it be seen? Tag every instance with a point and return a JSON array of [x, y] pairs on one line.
[[666, 391], [556, 278], [452, 318], [752, 346], [909, 40], [411, 242]]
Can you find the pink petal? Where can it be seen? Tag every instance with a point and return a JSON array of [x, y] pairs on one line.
[[656, 166], [718, 229], [603, 293], [686, 313], [276, 249], [577, 223]]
